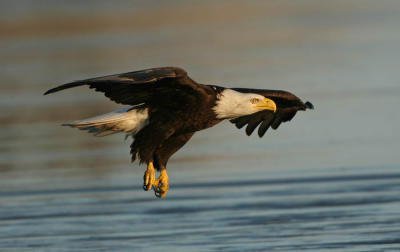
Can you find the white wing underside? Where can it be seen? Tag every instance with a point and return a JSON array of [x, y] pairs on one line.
[[128, 120]]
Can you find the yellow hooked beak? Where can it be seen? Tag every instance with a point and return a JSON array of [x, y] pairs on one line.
[[266, 104]]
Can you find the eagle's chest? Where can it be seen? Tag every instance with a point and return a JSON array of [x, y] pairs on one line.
[[199, 119]]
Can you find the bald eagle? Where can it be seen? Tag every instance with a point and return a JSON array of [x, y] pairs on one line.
[[166, 107]]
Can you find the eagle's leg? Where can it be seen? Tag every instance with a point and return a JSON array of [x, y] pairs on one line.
[[161, 184], [149, 177], [161, 156]]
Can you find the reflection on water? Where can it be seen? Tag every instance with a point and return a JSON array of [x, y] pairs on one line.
[[327, 180]]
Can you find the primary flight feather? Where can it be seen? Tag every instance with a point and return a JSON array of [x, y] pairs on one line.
[[167, 107]]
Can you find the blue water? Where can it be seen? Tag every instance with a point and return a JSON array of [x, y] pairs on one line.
[[327, 180]]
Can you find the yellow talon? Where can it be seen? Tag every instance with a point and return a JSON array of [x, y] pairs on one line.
[[149, 177], [161, 185]]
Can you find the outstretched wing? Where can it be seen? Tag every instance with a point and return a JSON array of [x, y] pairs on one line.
[[136, 87], [287, 107]]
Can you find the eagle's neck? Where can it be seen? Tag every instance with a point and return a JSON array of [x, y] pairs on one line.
[[231, 104]]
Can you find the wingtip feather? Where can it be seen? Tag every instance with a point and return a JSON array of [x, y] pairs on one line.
[[309, 105], [53, 90], [48, 91], [66, 86]]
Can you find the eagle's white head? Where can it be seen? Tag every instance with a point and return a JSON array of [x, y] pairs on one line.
[[231, 104]]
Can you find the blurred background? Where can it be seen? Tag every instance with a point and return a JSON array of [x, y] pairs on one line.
[[329, 179]]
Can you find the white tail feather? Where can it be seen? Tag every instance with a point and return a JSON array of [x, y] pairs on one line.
[[129, 120]]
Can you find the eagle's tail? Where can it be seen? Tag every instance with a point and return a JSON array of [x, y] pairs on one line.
[[128, 120]]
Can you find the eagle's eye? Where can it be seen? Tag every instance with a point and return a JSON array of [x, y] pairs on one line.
[[254, 100]]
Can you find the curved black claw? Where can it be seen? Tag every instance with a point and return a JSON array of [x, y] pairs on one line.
[[160, 193], [161, 185], [149, 178], [145, 186]]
